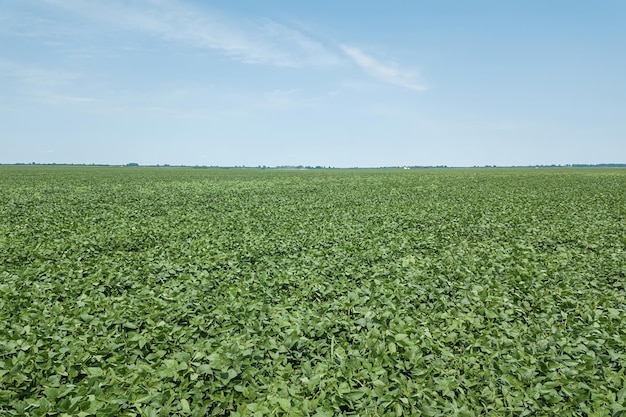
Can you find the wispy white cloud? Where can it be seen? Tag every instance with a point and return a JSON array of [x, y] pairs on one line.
[[258, 41], [316, 52], [29, 75], [279, 99], [82, 33], [42, 85], [63, 99], [386, 72]]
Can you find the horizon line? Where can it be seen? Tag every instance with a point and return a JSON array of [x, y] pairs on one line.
[[313, 167]]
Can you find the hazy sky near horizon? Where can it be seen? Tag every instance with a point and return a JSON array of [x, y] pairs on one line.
[[332, 83]]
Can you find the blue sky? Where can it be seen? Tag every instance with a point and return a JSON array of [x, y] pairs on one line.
[[332, 83]]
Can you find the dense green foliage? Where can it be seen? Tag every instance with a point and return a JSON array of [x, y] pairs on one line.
[[147, 291]]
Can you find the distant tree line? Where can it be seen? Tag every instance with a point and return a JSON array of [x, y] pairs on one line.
[[135, 164]]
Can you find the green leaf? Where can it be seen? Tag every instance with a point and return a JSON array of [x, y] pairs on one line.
[[285, 404], [184, 404]]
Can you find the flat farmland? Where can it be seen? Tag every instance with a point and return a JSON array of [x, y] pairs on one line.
[[240, 292]]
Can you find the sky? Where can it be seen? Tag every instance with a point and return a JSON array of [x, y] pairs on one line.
[[351, 83]]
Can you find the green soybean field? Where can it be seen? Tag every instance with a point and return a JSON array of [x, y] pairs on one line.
[[263, 292]]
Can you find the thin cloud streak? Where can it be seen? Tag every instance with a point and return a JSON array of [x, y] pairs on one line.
[[43, 86], [64, 99], [384, 72], [31, 76], [249, 41]]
